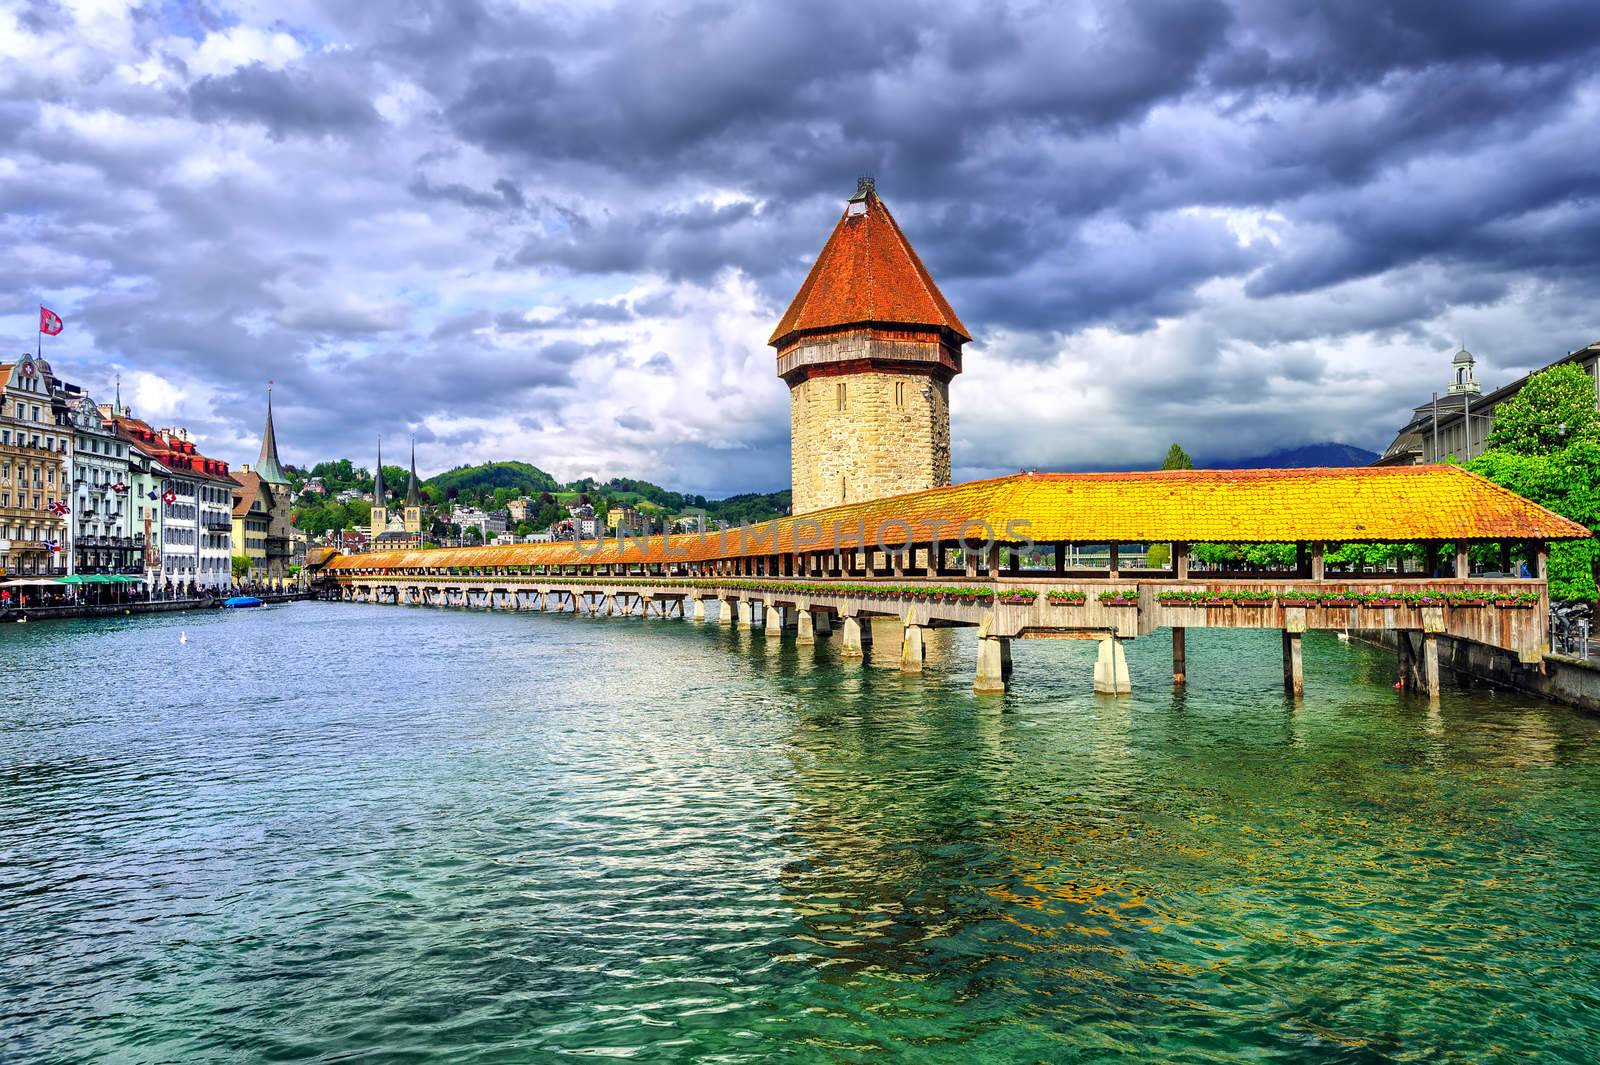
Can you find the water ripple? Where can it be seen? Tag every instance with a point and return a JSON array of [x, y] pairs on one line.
[[345, 833]]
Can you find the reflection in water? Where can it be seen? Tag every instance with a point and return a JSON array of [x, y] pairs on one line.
[[501, 837]]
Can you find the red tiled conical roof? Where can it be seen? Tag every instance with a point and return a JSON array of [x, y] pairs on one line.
[[867, 272]]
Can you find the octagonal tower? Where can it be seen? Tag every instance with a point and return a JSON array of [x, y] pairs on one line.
[[868, 348]]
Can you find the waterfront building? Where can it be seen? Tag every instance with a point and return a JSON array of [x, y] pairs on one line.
[[195, 502], [261, 510], [254, 501], [868, 348], [101, 525], [146, 476], [1456, 425], [35, 470]]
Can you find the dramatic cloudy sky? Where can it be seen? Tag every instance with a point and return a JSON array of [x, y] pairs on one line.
[[562, 233]]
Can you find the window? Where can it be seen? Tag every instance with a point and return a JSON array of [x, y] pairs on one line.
[[839, 394], [899, 393]]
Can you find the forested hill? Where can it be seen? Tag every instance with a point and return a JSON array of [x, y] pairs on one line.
[[520, 477], [493, 484]]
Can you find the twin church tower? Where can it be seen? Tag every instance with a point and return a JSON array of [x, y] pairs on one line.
[[868, 348]]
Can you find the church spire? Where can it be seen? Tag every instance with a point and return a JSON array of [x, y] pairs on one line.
[[377, 479], [413, 498], [267, 466]]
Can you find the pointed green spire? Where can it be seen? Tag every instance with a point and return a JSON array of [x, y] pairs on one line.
[[377, 480], [267, 466], [413, 497]]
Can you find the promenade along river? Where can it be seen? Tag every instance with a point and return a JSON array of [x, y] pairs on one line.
[[328, 832]]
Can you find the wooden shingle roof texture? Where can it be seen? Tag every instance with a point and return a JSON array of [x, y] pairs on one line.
[[1364, 503]]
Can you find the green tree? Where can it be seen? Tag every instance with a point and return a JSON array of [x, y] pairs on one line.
[[1566, 481], [1158, 556], [241, 566], [395, 479], [1177, 459], [1554, 408]]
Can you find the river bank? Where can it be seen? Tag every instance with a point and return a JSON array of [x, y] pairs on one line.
[[117, 610]]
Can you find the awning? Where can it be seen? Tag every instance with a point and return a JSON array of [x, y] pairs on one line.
[[31, 582]]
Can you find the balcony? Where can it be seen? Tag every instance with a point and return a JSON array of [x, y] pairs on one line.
[[217, 523], [122, 543]]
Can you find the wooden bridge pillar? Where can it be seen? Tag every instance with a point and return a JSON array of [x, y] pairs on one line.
[[1180, 656], [857, 638], [1111, 667], [1294, 676], [804, 632], [1430, 664], [994, 654], [911, 649], [1406, 660]]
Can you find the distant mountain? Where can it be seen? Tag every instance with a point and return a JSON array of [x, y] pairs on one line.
[[1325, 454]]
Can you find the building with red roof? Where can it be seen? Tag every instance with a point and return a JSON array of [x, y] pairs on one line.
[[868, 347]]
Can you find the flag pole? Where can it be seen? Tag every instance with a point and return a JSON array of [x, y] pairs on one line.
[[38, 344]]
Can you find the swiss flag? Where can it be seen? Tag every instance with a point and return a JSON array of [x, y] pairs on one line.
[[49, 322]]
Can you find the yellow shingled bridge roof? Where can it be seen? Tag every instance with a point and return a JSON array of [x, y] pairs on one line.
[[1333, 505]]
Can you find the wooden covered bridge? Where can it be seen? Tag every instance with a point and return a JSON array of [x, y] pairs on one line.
[[1011, 556]]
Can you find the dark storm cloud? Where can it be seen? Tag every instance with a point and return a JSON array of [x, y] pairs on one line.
[[284, 101], [432, 209], [502, 196]]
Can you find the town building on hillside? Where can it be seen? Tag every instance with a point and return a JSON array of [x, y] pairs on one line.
[[868, 349], [350, 541], [624, 521], [1456, 425], [103, 536], [519, 509], [261, 518], [489, 523], [35, 469]]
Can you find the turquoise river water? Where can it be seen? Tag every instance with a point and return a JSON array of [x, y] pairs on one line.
[[344, 833]]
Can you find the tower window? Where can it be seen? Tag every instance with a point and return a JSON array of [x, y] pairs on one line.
[[899, 393], [839, 394]]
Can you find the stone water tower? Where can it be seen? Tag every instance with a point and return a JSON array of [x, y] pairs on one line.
[[868, 348]]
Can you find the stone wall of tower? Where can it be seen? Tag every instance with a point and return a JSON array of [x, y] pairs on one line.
[[413, 519], [380, 520], [886, 434]]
